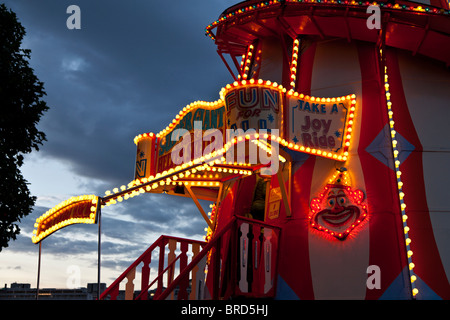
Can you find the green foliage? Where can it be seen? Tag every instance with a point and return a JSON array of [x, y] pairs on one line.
[[21, 107]]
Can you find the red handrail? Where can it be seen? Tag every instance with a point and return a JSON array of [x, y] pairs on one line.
[[146, 256], [139, 297], [215, 243], [217, 237]]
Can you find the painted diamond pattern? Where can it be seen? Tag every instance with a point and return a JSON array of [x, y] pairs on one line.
[[380, 147]]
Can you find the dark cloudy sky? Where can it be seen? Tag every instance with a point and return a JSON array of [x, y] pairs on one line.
[[130, 69]]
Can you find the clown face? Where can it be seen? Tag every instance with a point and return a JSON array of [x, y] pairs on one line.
[[338, 210]]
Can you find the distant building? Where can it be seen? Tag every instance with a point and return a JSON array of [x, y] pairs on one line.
[[23, 291]]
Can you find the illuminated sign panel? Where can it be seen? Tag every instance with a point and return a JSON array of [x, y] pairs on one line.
[[145, 156], [201, 117], [339, 208], [321, 126], [254, 107], [318, 126], [82, 209]]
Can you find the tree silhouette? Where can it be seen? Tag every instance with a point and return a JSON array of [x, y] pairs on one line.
[[21, 107]]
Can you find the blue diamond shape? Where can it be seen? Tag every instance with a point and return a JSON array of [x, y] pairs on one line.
[[381, 148]]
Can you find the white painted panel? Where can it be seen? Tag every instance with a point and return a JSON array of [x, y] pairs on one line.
[[271, 60], [437, 176], [427, 90], [338, 268], [441, 228], [426, 85]]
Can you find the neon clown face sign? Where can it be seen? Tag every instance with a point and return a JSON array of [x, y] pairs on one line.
[[338, 209]]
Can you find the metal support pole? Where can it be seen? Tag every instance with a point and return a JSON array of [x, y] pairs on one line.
[[99, 215], [39, 271]]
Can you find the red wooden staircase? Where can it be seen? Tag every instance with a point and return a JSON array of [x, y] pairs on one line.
[[242, 260]]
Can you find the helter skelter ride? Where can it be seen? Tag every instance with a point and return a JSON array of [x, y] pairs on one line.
[[325, 160]]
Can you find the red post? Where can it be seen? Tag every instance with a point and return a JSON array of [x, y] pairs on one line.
[[160, 267], [145, 275], [184, 283]]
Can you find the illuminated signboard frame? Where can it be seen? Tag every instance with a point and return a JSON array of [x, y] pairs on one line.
[[285, 100], [211, 115], [320, 111], [215, 162], [82, 209], [344, 104], [339, 197]]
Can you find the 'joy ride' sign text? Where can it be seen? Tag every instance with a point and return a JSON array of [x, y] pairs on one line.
[[320, 124]]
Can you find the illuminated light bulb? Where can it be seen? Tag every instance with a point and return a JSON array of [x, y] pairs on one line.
[[404, 218], [415, 291], [410, 253], [408, 241], [411, 266], [406, 229], [413, 278]]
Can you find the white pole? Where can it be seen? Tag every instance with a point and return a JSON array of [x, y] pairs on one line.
[[99, 249], [39, 271]]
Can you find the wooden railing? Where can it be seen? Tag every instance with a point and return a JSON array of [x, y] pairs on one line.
[[249, 269], [243, 262], [173, 254]]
